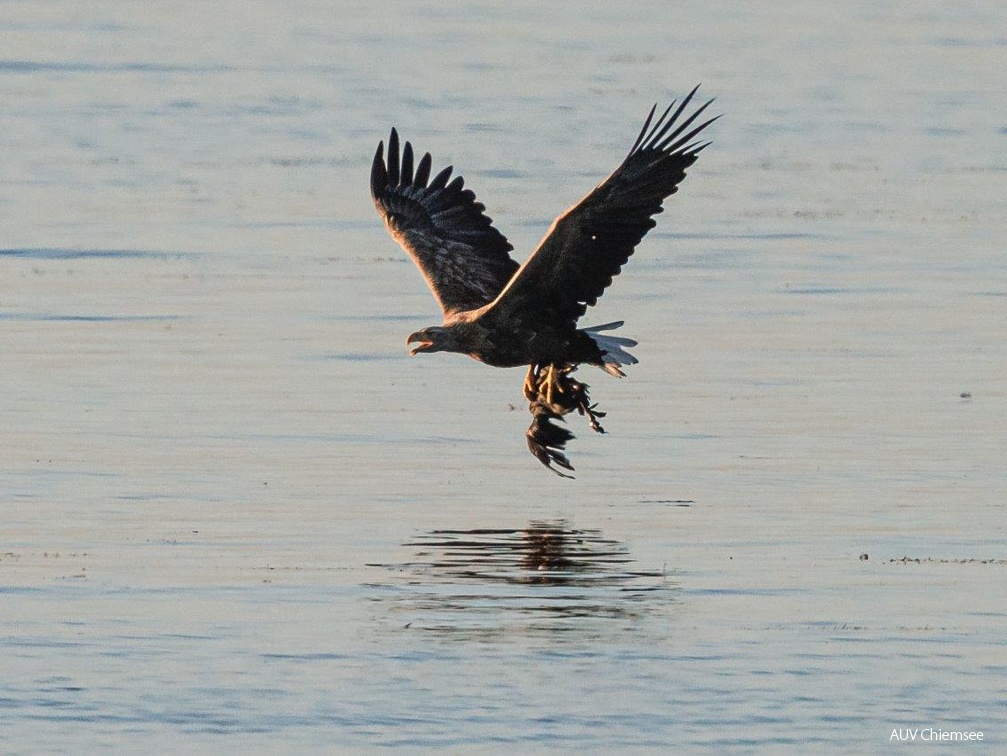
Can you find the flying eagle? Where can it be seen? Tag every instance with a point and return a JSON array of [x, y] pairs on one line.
[[510, 316]]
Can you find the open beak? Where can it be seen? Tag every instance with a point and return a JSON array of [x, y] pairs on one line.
[[423, 345]]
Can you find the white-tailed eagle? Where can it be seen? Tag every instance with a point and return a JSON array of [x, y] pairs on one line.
[[508, 316]]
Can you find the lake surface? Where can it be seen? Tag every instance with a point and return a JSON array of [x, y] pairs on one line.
[[237, 517]]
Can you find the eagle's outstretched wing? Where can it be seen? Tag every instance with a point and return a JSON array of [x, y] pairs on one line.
[[589, 243], [464, 260]]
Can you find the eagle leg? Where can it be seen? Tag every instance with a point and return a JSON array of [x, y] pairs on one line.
[[550, 385], [556, 381], [531, 381], [543, 383]]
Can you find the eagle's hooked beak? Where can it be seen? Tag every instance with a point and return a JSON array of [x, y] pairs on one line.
[[424, 343]]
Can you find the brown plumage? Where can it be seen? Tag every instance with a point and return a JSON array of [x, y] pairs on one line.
[[507, 316]]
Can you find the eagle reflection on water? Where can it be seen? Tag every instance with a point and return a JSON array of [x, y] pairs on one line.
[[543, 553], [545, 576]]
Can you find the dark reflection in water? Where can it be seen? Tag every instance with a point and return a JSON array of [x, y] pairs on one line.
[[544, 578]]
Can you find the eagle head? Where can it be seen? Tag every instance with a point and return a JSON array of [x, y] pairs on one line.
[[432, 339]]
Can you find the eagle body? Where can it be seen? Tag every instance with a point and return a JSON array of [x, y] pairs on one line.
[[506, 315], [481, 336]]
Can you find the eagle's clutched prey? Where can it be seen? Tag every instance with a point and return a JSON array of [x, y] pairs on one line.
[[510, 316]]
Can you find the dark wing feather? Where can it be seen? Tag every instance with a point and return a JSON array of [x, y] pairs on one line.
[[464, 260], [588, 245]]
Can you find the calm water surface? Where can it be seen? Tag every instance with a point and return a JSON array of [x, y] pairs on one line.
[[237, 517]]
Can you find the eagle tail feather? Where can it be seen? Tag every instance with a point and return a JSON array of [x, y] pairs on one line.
[[614, 356]]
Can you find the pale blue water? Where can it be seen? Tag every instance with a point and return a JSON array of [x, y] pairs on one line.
[[238, 517]]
